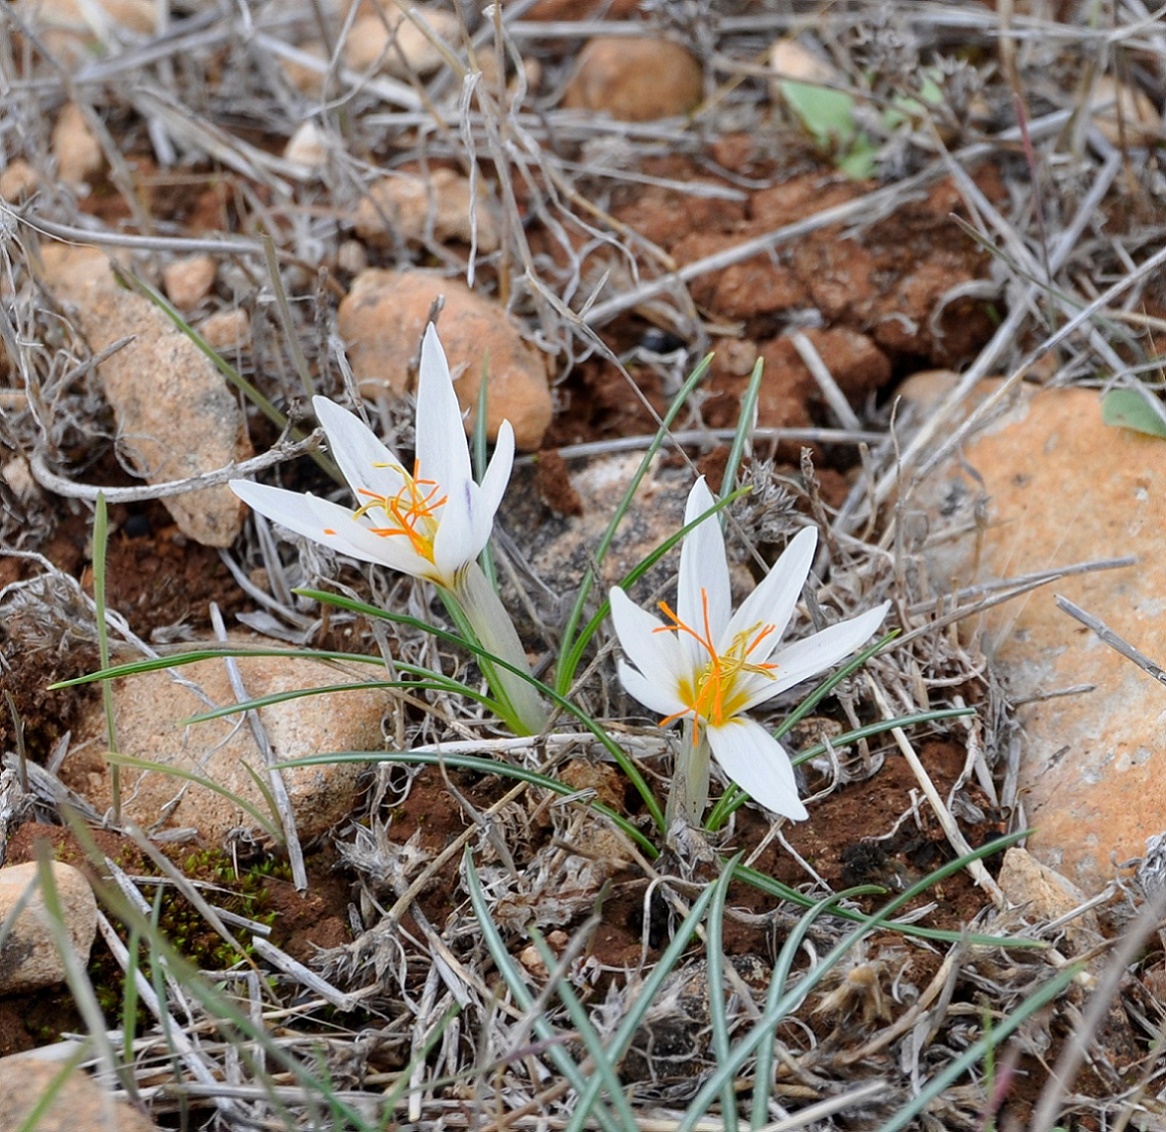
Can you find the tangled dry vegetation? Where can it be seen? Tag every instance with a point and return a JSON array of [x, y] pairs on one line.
[[510, 957]]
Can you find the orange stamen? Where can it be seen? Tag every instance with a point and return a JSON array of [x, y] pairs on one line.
[[412, 512], [713, 695]]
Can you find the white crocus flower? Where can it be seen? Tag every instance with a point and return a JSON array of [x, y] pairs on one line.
[[431, 521], [710, 666]]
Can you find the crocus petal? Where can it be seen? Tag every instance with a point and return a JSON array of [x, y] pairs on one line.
[[363, 459], [456, 541], [497, 474], [704, 571], [776, 596], [485, 497], [442, 454], [654, 652], [757, 762], [651, 694], [331, 525], [803, 659]]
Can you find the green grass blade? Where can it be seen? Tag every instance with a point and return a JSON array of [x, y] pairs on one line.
[[516, 984], [232, 375], [100, 549], [783, 892], [597, 1050], [269, 824], [789, 1001], [621, 1040], [362, 686], [626, 764], [718, 1016], [566, 673], [478, 765], [1033, 1002], [746, 419], [781, 971]]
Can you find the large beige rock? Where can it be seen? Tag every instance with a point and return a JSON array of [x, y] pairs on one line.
[[175, 415], [29, 958], [383, 318], [78, 1103], [1061, 488], [634, 80], [150, 710]]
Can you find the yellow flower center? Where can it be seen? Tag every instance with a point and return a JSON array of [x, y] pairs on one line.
[[412, 512], [715, 693]]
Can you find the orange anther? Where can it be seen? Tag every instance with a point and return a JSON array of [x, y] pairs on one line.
[[412, 512], [713, 695]]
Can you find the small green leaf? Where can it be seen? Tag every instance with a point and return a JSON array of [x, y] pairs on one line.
[[828, 115], [1129, 408]]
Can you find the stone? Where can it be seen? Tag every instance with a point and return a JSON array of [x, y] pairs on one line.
[[150, 709], [306, 79], [76, 150], [78, 1103], [439, 206], [29, 958], [791, 62], [306, 147], [71, 30], [383, 317], [189, 280], [1043, 895], [161, 386], [1049, 484], [634, 80], [388, 42], [1124, 113], [226, 330], [18, 182]]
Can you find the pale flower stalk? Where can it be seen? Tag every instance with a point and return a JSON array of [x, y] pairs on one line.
[[709, 666], [431, 522]]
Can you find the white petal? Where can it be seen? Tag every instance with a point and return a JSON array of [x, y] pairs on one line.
[[456, 541], [652, 695], [498, 470], [331, 525], [757, 762], [774, 599], [485, 498], [363, 459], [803, 659], [441, 438], [704, 571], [656, 654]]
